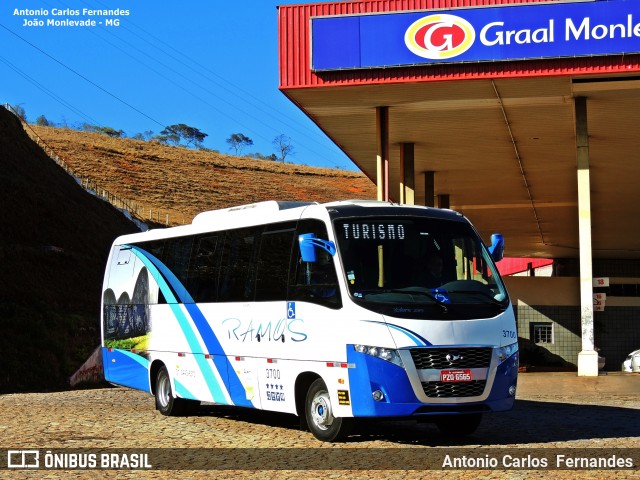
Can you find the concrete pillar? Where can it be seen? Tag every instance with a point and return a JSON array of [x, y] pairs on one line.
[[382, 135], [407, 174], [429, 189], [588, 357]]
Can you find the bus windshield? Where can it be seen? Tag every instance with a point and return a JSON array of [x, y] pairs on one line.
[[419, 267]]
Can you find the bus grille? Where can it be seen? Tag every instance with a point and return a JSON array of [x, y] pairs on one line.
[[436, 358], [458, 389]]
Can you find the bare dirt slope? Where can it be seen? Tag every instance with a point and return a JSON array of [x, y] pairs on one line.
[[184, 182]]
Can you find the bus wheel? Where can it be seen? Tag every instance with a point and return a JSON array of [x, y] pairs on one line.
[[166, 403], [458, 425], [319, 415]]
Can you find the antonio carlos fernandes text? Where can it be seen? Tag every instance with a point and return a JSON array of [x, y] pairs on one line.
[[562, 461]]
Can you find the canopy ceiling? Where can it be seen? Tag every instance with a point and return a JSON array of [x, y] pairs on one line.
[[504, 150]]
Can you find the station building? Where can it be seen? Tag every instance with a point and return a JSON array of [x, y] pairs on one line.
[[522, 115]]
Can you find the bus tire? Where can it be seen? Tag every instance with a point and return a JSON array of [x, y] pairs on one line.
[[166, 403], [458, 425], [319, 415]]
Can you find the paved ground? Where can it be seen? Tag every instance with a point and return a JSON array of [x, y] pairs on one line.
[[554, 412]]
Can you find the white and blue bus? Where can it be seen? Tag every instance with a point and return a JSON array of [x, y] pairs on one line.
[[332, 312]]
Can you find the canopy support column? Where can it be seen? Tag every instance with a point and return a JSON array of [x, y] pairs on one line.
[[407, 174], [429, 189], [443, 201], [588, 357], [382, 135]]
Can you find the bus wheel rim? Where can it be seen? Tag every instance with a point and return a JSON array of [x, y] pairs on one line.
[[321, 413], [163, 391]]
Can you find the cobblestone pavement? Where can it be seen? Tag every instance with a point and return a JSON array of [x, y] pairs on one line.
[[553, 412]]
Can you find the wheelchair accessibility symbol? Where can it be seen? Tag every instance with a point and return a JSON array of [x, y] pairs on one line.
[[440, 295], [291, 310]]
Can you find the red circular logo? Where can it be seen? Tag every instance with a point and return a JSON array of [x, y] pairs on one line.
[[439, 36]]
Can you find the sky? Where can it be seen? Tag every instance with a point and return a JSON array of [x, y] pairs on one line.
[[210, 64]]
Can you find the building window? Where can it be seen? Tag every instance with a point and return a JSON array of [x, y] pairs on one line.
[[542, 332]]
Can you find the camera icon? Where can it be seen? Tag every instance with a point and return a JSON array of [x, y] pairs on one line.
[[23, 459]]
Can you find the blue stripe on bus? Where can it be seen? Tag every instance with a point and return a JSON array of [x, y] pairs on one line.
[[219, 358], [135, 357], [415, 337], [194, 345], [164, 276], [168, 275], [182, 391]]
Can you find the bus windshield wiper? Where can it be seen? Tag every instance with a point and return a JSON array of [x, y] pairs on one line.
[[479, 292]]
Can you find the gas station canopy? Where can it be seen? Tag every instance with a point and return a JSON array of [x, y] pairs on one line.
[[501, 141]]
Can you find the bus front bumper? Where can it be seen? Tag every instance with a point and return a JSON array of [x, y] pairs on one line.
[[381, 389]]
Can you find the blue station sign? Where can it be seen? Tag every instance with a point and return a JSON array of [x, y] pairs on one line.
[[516, 32]]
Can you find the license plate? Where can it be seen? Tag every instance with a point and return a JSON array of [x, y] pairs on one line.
[[455, 376]]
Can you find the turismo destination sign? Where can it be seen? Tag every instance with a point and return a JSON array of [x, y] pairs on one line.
[[476, 35]]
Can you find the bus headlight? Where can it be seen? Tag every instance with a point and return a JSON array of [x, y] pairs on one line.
[[507, 351], [388, 354]]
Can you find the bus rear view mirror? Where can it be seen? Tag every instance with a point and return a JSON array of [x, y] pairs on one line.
[[308, 243], [497, 247]]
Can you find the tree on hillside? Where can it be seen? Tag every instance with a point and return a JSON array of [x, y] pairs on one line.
[[111, 132], [191, 135], [42, 121], [171, 138], [260, 156], [146, 135], [19, 110], [238, 141], [283, 146]]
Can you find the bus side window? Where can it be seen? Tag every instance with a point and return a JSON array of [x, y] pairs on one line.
[[176, 257], [273, 265], [157, 248], [317, 281], [204, 270], [237, 272]]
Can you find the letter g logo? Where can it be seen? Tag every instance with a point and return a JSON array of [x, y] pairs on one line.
[[439, 37]]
